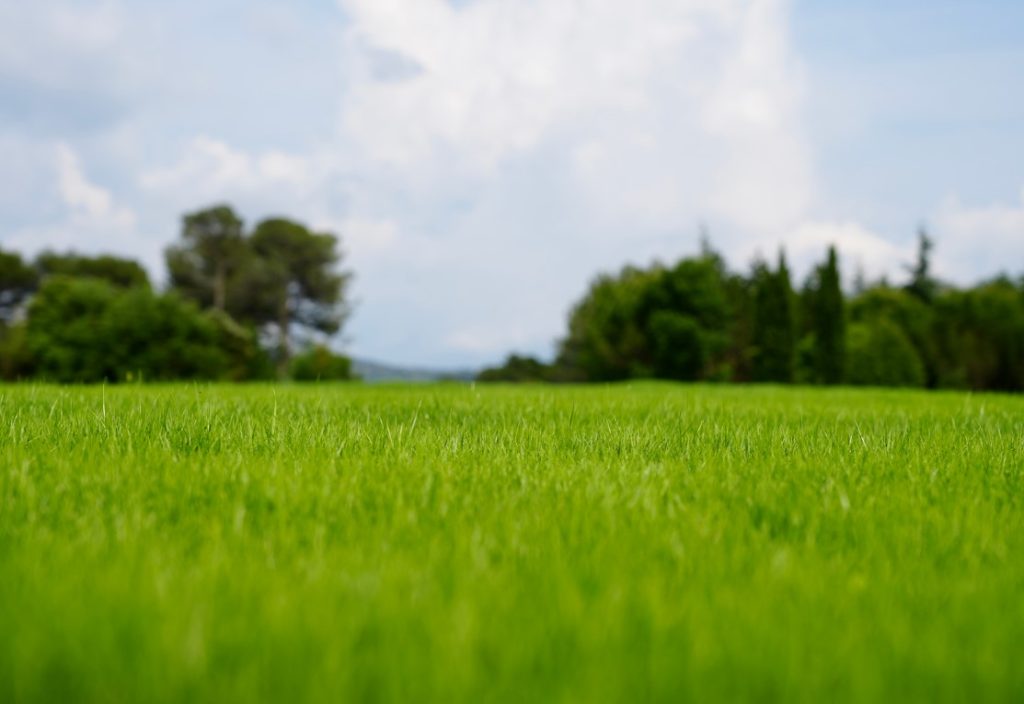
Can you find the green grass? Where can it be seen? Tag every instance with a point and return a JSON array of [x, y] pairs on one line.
[[445, 543]]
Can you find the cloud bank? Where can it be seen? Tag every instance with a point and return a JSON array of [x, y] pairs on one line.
[[482, 160]]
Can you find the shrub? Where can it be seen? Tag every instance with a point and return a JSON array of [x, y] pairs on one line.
[[87, 330], [319, 363], [880, 354]]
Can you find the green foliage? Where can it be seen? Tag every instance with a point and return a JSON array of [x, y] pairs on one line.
[[87, 330], [211, 253], [517, 369], [829, 319], [300, 278], [678, 346], [319, 363], [912, 316], [880, 354], [118, 271], [980, 335], [774, 334], [619, 329], [246, 359], [606, 340], [696, 321], [64, 330], [203, 543], [15, 357], [280, 276]]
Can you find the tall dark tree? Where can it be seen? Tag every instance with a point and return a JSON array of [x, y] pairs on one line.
[[17, 281], [295, 281], [921, 282], [212, 251], [774, 324], [829, 319]]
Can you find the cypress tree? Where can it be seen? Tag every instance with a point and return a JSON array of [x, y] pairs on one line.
[[829, 323], [774, 325]]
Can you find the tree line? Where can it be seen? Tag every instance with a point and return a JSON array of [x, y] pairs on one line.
[[239, 305], [698, 321]]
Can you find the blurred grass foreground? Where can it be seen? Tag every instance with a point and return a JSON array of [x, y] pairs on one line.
[[449, 543]]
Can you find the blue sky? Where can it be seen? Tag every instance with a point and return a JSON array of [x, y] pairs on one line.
[[482, 160]]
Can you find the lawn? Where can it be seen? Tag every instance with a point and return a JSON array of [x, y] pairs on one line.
[[450, 543]]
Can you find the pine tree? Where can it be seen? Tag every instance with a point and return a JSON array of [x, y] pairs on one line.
[[829, 323], [921, 282]]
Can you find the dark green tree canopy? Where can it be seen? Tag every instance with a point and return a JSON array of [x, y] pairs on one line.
[[622, 329], [302, 266], [298, 272], [880, 354], [118, 271], [88, 330], [678, 346], [211, 252], [829, 321], [774, 324], [281, 276]]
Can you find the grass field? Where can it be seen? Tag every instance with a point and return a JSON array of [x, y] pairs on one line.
[[448, 543]]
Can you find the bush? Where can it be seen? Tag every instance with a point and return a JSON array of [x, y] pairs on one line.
[[88, 330], [15, 359], [318, 363], [516, 369], [880, 354], [161, 338]]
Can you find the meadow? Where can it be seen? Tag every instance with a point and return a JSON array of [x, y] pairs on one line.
[[458, 543]]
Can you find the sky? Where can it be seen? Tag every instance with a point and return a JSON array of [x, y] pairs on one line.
[[482, 160]]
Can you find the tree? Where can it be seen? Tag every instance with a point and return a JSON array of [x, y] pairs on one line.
[[881, 355], [829, 320], [914, 317], [774, 324], [612, 331], [979, 337], [678, 346], [118, 271], [17, 281], [921, 283], [297, 279], [607, 340], [62, 331], [212, 251]]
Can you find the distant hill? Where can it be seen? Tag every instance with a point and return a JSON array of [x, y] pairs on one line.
[[372, 372]]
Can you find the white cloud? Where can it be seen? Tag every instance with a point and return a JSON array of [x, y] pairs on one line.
[[522, 146], [486, 160], [91, 220], [78, 193], [665, 108], [973, 239], [210, 166], [861, 252], [494, 77]]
